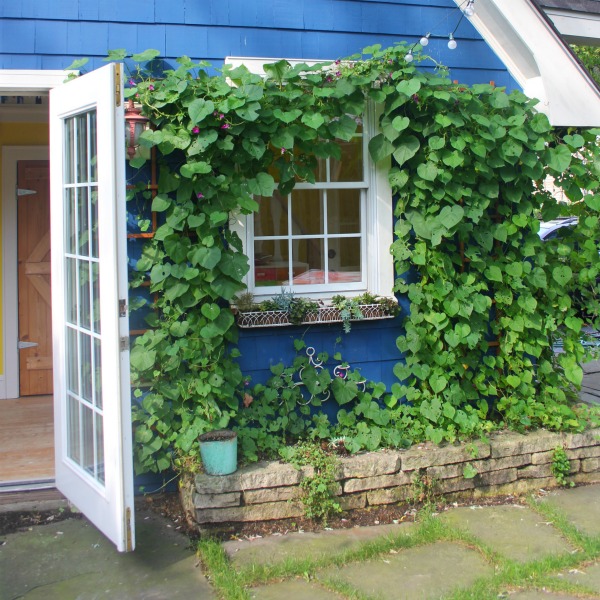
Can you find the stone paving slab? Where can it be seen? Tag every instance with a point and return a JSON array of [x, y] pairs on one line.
[[588, 575], [277, 548], [424, 572], [72, 559], [514, 531], [580, 505], [294, 589]]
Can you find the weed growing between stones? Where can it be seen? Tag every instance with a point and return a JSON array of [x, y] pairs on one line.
[[561, 466]]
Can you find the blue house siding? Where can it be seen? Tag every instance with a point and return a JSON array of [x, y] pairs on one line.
[[37, 35], [50, 35]]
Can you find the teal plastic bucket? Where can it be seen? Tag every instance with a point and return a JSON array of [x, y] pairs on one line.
[[218, 450]]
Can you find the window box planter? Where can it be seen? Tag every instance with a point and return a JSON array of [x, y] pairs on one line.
[[324, 314]]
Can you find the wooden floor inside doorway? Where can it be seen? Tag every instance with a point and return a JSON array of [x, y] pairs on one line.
[[26, 440]]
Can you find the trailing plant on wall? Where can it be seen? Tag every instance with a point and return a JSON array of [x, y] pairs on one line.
[[488, 299]]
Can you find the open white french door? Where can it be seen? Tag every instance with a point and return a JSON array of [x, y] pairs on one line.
[[92, 402]]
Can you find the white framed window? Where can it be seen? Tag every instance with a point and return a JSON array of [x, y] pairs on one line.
[[330, 237]]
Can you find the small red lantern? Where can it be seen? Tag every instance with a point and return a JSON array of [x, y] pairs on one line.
[[135, 124]]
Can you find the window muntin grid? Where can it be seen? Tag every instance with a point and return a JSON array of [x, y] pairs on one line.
[[85, 427], [314, 239]]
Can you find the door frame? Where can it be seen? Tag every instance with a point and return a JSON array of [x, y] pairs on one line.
[[21, 82], [11, 155]]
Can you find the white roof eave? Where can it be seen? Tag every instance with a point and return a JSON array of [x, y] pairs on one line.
[[539, 60]]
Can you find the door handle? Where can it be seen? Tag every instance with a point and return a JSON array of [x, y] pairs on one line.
[[22, 345]]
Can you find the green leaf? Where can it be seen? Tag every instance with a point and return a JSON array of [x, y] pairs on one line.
[[438, 383], [146, 55], [210, 311], [262, 185], [427, 171], [191, 168], [199, 109], [78, 63], [453, 159], [493, 273], [573, 372], [226, 287], [343, 391], [160, 203], [406, 150], [205, 257], [562, 274], [559, 158], [118, 55], [142, 359], [287, 116], [408, 87], [313, 120], [469, 471], [400, 123], [380, 148], [540, 123], [436, 143]]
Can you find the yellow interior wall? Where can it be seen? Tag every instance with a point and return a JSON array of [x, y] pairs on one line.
[[16, 134]]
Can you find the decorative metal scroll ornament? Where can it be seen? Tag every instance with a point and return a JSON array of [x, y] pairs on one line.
[[340, 371]]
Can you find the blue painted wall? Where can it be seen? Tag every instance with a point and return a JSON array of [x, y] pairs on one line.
[[50, 35]]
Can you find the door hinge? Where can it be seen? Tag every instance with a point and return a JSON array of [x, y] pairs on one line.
[[122, 308], [118, 85], [124, 343], [24, 192], [23, 345]]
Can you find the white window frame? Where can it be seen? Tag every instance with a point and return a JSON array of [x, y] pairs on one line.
[[377, 219]]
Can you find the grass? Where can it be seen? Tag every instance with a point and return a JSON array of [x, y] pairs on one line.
[[234, 584]]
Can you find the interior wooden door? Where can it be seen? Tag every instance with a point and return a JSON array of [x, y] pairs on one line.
[[33, 250]]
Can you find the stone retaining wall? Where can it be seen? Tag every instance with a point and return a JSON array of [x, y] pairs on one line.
[[510, 464]]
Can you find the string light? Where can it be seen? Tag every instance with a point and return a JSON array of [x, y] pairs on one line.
[[468, 11]]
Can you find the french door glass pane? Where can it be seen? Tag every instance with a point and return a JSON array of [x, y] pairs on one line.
[[85, 445]]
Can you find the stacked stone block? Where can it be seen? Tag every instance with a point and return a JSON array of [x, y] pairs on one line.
[[510, 463]]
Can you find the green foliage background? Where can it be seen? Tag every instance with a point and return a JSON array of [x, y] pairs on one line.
[[488, 299]]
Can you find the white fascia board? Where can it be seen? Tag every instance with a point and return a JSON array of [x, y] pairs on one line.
[[539, 60], [576, 27], [29, 82]]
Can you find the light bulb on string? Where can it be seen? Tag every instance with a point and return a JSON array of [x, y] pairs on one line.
[[452, 42], [470, 9], [424, 40], [409, 57]]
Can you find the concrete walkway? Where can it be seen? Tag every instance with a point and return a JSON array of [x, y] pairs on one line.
[[72, 560]]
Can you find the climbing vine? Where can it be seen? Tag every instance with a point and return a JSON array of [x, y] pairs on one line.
[[487, 298]]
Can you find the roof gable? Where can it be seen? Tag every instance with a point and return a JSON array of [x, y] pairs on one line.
[[539, 59]]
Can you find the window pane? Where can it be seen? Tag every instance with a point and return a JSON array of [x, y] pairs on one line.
[[93, 148], [272, 216], [85, 344], [82, 148], [69, 154], [97, 374], [350, 167], [344, 259], [84, 295], [307, 255], [100, 447], [70, 224], [271, 262], [87, 415], [72, 353], [307, 212], [71, 290], [84, 221], [343, 211], [73, 445]]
